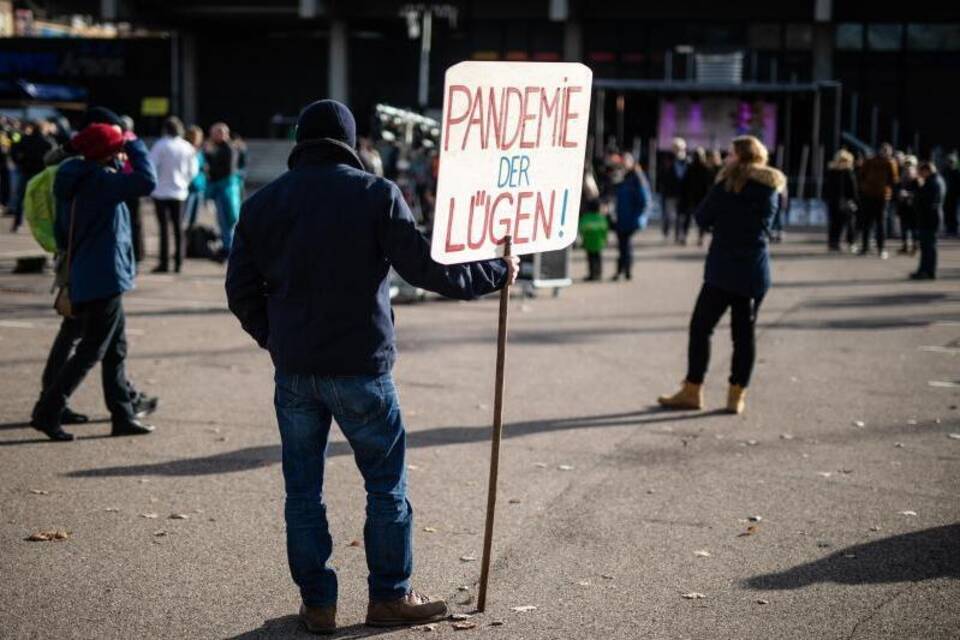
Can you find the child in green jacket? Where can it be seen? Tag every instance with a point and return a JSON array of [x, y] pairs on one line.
[[594, 227]]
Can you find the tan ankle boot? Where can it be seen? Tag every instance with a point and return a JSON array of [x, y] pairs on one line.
[[736, 399], [411, 609], [322, 620], [690, 396]]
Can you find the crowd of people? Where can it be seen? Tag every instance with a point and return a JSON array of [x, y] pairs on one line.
[[876, 196], [191, 172]]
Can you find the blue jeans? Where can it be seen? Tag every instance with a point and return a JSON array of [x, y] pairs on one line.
[[225, 194], [368, 411]]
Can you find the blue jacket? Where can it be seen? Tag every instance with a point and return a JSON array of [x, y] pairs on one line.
[[738, 260], [633, 197], [308, 276], [102, 263]]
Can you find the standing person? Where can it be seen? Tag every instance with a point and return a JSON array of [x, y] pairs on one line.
[[673, 172], [198, 186], [321, 305], [93, 229], [133, 204], [175, 161], [878, 177], [906, 193], [739, 210], [843, 199], [28, 156], [632, 198], [696, 186], [223, 186], [71, 328], [951, 177], [930, 198], [594, 228]]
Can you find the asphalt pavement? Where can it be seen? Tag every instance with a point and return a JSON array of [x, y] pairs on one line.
[[831, 509]]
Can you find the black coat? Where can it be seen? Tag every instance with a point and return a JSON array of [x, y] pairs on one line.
[[309, 270], [738, 260], [929, 203], [840, 185]]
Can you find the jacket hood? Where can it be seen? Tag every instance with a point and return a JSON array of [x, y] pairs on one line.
[[70, 175], [323, 150], [761, 174], [330, 124]]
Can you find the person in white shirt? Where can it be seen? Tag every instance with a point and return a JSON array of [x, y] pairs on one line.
[[175, 160]]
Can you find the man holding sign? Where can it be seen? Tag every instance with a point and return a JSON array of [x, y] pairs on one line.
[[309, 279]]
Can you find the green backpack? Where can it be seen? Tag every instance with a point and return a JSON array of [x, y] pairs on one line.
[[40, 208]]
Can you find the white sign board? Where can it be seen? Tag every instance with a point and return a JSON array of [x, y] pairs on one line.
[[513, 144]]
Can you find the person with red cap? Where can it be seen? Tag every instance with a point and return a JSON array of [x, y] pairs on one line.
[[93, 230]]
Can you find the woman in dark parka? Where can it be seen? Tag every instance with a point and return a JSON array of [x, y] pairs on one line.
[[843, 199], [738, 209]]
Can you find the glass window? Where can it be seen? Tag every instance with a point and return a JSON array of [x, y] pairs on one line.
[[799, 36], [885, 37], [933, 37], [849, 36], [764, 36]]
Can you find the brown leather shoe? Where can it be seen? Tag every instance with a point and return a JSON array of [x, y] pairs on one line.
[[412, 608], [319, 619]]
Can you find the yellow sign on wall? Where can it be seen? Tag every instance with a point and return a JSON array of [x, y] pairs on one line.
[[155, 106]]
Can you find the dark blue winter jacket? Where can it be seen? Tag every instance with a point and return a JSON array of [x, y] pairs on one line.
[[633, 198], [309, 270], [101, 264], [738, 260]]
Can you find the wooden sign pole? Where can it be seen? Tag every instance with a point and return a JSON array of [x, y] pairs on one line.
[[495, 440]]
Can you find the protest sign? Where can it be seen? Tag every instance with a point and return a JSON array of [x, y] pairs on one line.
[[513, 144]]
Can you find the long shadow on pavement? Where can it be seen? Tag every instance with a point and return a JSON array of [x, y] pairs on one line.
[[290, 627], [266, 455], [911, 557]]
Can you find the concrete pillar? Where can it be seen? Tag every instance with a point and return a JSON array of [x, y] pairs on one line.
[[823, 40], [109, 10], [188, 78], [337, 88], [308, 9], [572, 41]]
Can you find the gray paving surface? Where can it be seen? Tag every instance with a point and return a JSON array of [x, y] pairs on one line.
[[605, 549]]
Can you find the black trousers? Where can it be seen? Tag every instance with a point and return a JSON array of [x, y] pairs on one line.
[[873, 215], [136, 228], [950, 220], [712, 303], [625, 260], [594, 265], [928, 251], [103, 339], [168, 217], [839, 224]]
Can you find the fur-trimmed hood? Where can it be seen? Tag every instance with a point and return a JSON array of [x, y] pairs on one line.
[[761, 174]]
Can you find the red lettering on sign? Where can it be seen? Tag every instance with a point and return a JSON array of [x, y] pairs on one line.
[[452, 248], [451, 120]]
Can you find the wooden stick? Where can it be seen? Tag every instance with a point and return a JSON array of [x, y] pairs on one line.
[[495, 440]]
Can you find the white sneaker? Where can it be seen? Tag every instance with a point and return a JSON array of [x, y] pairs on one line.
[[884, 255]]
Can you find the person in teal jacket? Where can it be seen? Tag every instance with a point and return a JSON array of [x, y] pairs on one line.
[[223, 188], [198, 186], [594, 227]]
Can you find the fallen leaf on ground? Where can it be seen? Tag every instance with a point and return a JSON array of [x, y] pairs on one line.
[[46, 536], [178, 516], [426, 627], [751, 443], [702, 553], [825, 474], [693, 595], [468, 558], [523, 608], [463, 626], [752, 529], [540, 465], [463, 588], [860, 424], [39, 492], [112, 510], [460, 616], [874, 528], [149, 516], [514, 501], [954, 436], [786, 436], [354, 543], [755, 518], [898, 445], [606, 576], [159, 534], [584, 583], [908, 513], [429, 530], [565, 467], [496, 623], [762, 601]]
